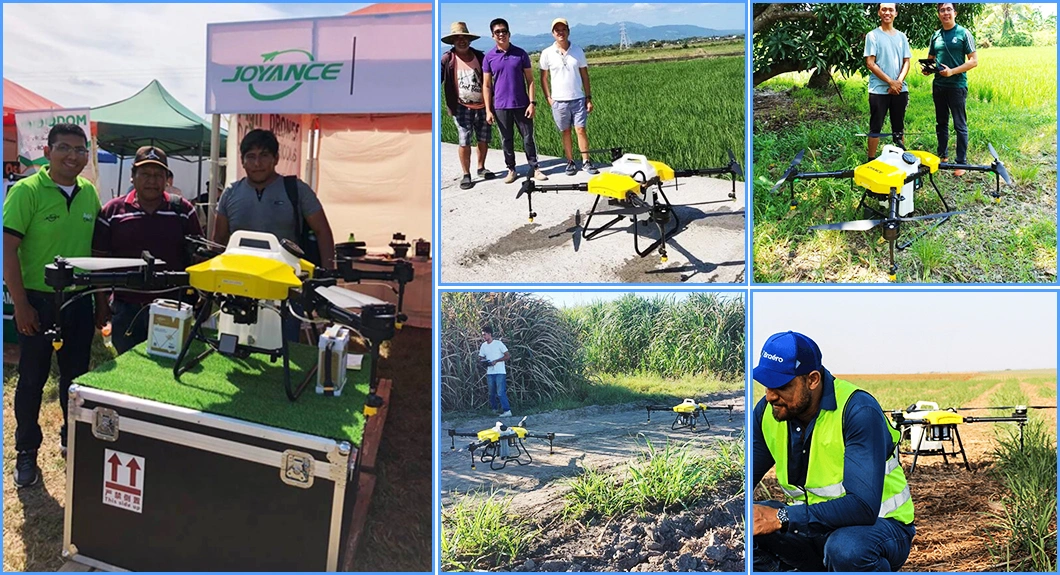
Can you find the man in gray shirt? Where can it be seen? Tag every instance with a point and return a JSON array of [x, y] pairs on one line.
[[887, 55], [259, 202]]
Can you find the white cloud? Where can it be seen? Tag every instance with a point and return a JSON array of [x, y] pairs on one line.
[[108, 52]]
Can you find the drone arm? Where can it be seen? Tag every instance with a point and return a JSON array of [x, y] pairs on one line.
[[549, 436], [822, 175], [702, 172]]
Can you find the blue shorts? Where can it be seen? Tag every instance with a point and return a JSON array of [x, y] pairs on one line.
[[472, 123], [568, 112]]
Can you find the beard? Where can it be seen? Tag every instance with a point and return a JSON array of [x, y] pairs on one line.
[[798, 405]]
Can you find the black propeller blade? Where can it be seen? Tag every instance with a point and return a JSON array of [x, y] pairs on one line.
[[734, 165], [525, 188], [998, 165], [791, 170]]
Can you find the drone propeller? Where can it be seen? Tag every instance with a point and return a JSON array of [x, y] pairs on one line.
[[527, 187], [734, 165], [343, 297], [866, 225], [998, 165], [92, 264], [791, 170]]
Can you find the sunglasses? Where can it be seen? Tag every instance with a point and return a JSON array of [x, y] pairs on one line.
[[500, 32]]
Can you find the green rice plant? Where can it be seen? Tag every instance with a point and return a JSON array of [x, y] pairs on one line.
[[1028, 473], [685, 113], [479, 532], [545, 360]]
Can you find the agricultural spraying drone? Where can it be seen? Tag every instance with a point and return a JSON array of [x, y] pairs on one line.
[[927, 428], [252, 281], [687, 413], [627, 188], [502, 444], [890, 182]]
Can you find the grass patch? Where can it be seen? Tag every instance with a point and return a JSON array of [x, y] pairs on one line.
[[1029, 478], [1014, 241], [675, 476], [480, 532]]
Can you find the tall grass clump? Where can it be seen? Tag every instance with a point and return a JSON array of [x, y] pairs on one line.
[[675, 476], [702, 334], [1029, 514], [545, 359], [478, 533]]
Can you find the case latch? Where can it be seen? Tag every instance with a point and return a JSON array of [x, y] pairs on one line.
[[105, 424], [297, 469]]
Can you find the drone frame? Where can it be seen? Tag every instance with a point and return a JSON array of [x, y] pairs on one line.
[[687, 419], [634, 203], [941, 426], [505, 447]]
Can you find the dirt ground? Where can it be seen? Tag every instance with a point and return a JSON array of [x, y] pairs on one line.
[[953, 529], [485, 235], [708, 536]]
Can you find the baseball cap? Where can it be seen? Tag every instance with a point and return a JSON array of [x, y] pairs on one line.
[[559, 21], [151, 155], [785, 356]]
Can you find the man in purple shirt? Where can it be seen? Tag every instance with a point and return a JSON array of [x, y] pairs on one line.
[[508, 91]]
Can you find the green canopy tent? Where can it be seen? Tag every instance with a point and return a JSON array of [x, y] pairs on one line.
[[153, 117]]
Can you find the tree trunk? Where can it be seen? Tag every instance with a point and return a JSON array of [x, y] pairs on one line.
[[820, 79], [777, 69]]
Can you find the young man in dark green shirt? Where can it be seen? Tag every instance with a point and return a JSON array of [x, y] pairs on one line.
[[51, 213], [953, 48]]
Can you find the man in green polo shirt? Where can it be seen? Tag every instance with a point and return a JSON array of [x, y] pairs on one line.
[[51, 213], [953, 48]]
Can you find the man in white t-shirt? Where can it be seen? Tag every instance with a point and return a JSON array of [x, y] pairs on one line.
[[493, 354], [565, 80], [887, 55]]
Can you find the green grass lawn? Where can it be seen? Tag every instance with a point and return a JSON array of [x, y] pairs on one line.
[[1010, 241]]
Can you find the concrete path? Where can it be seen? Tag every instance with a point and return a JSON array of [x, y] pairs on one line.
[[485, 236]]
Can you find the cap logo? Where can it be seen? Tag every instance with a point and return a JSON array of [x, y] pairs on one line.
[[776, 358], [151, 155], [797, 364]]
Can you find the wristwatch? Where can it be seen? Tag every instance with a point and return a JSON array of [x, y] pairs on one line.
[[782, 516]]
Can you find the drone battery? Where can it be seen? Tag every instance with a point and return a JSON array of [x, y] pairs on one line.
[[331, 360], [167, 327]]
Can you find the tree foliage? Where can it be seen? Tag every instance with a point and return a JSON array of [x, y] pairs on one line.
[[830, 38]]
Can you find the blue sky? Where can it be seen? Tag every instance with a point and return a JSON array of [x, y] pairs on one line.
[[915, 332], [108, 52], [532, 19]]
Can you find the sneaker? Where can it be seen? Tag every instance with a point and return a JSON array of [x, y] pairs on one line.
[[26, 471], [486, 174], [539, 175], [510, 177], [571, 168], [466, 183], [590, 168], [506, 414]]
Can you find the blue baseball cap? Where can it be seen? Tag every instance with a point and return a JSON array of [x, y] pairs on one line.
[[784, 357]]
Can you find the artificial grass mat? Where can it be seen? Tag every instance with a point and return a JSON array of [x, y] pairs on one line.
[[248, 389]]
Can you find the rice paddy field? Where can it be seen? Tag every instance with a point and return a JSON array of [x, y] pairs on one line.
[[685, 113], [1013, 241], [1001, 515]]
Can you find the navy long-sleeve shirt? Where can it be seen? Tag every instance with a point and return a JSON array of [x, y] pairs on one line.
[[868, 444]]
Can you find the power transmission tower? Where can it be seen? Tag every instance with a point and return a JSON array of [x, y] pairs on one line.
[[623, 39]]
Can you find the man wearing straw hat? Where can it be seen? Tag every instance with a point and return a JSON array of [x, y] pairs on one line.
[[462, 86], [847, 504]]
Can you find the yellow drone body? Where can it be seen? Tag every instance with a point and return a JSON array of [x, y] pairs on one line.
[[494, 434], [880, 176], [617, 186], [244, 275], [943, 418], [666, 173], [688, 406]]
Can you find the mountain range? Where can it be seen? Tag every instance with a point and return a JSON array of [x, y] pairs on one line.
[[605, 34]]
